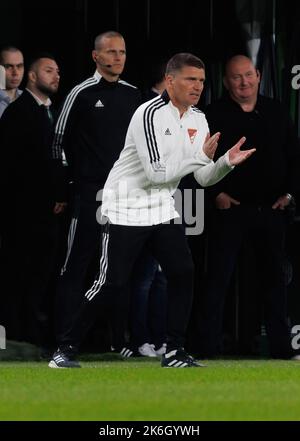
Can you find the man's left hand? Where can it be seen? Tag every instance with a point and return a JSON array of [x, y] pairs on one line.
[[59, 207], [236, 155], [282, 202]]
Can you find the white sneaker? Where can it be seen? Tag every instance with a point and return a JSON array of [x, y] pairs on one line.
[[147, 350], [296, 357], [161, 350]]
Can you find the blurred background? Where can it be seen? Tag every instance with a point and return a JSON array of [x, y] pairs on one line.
[[154, 30], [266, 30]]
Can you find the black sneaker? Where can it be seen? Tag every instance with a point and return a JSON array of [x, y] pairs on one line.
[[178, 358], [62, 360]]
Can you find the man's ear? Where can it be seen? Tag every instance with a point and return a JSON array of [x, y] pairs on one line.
[[32, 76], [94, 55], [169, 78], [258, 75]]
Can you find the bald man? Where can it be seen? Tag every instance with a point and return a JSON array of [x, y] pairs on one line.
[[251, 200]]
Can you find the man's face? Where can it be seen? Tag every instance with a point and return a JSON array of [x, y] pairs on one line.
[[47, 76], [13, 63], [111, 56], [242, 80], [185, 86]]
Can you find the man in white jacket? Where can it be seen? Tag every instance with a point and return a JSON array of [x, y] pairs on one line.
[[167, 139]]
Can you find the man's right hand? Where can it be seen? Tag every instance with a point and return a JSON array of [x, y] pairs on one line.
[[210, 144], [224, 201]]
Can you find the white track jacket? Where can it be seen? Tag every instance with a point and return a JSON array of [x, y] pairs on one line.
[[160, 148]]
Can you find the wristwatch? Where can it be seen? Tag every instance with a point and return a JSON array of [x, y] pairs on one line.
[[289, 196]]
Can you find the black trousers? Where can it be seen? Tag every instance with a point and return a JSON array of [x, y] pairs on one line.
[[227, 232], [84, 240], [29, 250], [148, 303], [121, 247]]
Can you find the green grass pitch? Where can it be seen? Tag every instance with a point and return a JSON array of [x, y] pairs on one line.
[[140, 390]]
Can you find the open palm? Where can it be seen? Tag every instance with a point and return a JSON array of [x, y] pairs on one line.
[[236, 155]]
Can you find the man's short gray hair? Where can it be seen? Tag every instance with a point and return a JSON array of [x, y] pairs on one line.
[[178, 61], [108, 34]]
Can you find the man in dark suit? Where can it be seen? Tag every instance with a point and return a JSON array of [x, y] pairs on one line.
[[251, 202], [32, 197]]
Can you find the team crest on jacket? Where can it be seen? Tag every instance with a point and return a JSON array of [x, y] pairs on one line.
[[192, 134]]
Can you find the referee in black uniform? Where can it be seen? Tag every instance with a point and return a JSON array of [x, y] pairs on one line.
[[90, 131]]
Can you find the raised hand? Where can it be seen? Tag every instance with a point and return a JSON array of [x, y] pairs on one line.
[[210, 144], [236, 155]]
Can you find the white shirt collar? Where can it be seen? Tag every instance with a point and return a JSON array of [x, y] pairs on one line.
[[97, 75], [176, 112]]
